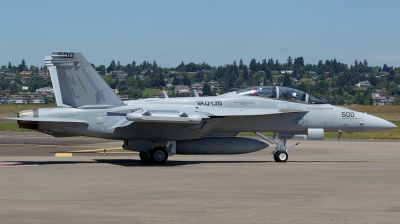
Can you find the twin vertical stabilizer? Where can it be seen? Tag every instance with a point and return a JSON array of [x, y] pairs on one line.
[[77, 84]]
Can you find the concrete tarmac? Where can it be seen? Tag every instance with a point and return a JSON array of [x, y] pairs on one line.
[[323, 182]]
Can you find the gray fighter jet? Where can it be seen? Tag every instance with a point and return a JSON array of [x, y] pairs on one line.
[[158, 128]]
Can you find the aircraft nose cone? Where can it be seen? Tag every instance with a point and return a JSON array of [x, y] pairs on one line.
[[373, 123]]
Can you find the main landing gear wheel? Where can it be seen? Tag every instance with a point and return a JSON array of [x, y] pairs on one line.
[[281, 157], [159, 155], [145, 156]]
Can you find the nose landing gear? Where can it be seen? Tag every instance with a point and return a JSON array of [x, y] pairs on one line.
[[280, 152]]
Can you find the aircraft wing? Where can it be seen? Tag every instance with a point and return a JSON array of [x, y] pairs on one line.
[[186, 115]]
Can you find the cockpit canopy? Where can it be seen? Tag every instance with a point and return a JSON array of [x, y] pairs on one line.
[[280, 93]]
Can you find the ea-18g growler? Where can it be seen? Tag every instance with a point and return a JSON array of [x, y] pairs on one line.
[[161, 127]]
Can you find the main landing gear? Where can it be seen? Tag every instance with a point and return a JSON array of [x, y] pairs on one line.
[[151, 151], [280, 152], [159, 152], [157, 155]]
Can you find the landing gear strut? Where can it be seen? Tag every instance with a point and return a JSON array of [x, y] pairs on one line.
[[280, 152]]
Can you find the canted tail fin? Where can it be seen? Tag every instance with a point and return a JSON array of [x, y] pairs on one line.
[[77, 84]]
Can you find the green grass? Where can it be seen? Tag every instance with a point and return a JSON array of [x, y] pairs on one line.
[[11, 110], [12, 127]]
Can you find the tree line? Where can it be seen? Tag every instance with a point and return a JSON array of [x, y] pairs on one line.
[[331, 80]]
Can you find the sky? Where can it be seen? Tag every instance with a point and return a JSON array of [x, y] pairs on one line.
[[213, 31]]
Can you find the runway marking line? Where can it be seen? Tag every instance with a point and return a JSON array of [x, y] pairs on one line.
[[96, 150], [121, 152], [72, 146]]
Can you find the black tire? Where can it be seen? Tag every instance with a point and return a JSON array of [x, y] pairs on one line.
[[159, 155], [281, 157], [276, 158], [145, 156]]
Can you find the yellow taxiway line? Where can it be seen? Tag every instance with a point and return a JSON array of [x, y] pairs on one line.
[[62, 154]]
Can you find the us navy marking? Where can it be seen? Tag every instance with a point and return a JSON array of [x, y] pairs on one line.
[[97, 128], [209, 102]]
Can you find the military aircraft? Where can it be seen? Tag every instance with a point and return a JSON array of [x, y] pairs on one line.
[[158, 128]]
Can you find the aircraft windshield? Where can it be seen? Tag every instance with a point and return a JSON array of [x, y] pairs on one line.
[[281, 93]]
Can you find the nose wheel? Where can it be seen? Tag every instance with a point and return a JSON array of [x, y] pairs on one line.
[[281, 157]]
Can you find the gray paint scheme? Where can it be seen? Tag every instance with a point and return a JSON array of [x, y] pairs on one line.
[[89, 107]]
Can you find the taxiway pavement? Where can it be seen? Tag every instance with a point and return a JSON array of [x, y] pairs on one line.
[[323, 182]]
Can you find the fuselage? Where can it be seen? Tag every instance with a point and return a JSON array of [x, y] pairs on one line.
[[293, 117]]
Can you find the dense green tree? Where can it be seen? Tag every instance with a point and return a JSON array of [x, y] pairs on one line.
[[245, 73], [181, 67], [136, 94], [192, 67], [340, 91], [108, 79], [22, 66], [373, 80], [264, 65], [365, 63], [392, 75], [177, 81], [207, 90], [277, 65], [299, 62], [186, 81], [199, 77], [385, 68], [158, 81], [112, 67], [289, 61], [253, 65], [286, 80], [14, 88]]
